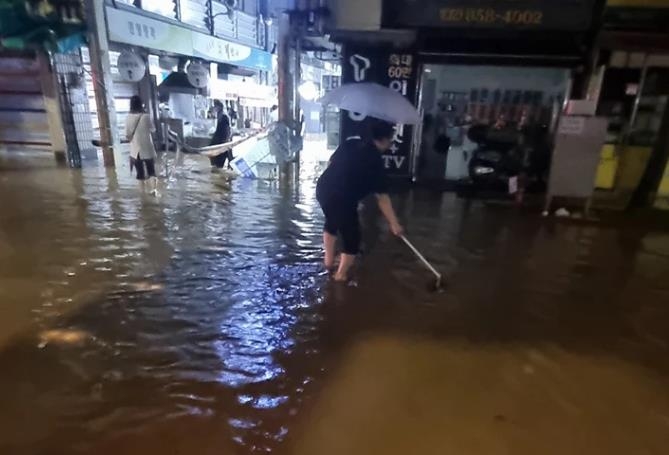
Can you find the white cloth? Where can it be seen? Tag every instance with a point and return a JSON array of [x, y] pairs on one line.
[[141, 143]]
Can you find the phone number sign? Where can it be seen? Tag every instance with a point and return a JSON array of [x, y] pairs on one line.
[[562, 15]]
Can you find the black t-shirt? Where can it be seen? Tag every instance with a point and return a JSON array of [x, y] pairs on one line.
[[222, 133], [355, 170]]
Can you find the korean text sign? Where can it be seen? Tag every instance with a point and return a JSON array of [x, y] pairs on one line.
[[396, 69]]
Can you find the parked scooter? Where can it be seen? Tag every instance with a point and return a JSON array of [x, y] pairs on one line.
[[503, 153]]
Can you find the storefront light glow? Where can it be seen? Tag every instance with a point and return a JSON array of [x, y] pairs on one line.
[[308, 90]]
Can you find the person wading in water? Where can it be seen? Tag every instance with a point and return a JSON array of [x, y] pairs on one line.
[[355, 171], [222, 135], [138, 129]]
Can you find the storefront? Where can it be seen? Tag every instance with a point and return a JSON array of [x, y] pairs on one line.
[[632, 91], [495, 93], [495, 63], [253, 99], [24, 123], [168, 50], [38, 88], [509, 102]]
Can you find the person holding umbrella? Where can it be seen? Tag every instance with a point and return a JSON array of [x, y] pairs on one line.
[[355, 170]]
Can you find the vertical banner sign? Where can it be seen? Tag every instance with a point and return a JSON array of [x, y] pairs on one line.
[[395, 69]]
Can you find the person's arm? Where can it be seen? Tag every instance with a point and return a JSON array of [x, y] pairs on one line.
[[386, 207], [333, 156], [380, 189], [127, 128], [227, 130], [151, 127], [218, 137]]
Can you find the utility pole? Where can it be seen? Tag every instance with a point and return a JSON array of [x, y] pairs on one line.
[[297, 116], [283, 60], [282, 133], [291, 31], [102, 82]]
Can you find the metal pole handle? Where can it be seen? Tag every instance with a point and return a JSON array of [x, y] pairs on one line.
[[421, 257]]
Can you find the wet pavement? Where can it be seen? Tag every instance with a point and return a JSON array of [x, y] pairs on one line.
[[200, 322]]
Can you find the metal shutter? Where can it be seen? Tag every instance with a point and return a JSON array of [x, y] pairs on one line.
[[23, 120]]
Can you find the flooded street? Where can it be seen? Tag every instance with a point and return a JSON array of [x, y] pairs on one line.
[[200, 322]]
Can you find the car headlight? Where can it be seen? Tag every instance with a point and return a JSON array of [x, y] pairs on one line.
[[483, 170]]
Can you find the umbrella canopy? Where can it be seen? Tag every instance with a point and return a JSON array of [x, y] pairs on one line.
[[373, 100]]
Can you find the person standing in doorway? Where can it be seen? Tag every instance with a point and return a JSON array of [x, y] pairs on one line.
[[138, 129], [222, 135], [356, 170], [273, 114]]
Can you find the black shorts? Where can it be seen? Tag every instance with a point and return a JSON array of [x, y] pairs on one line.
[[341, 218], [219, 160], [145, 169]]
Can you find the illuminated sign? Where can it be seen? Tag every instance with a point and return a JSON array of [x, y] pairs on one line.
[[393, 68]]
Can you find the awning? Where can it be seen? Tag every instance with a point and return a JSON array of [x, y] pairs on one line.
[[634, 41], [535, 48]]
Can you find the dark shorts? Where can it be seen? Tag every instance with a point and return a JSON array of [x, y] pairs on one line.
[[219, 160], [342, 219], [145, 169]]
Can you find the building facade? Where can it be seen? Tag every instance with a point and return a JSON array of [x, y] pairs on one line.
[[233, 39]]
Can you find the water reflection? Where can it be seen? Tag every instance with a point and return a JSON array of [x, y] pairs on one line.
[[200, 322]]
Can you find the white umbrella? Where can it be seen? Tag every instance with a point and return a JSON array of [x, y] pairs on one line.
[[373, 100]]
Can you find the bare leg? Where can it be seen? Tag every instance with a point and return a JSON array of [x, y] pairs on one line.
[[330, 243], [154, 185], [347, 261]]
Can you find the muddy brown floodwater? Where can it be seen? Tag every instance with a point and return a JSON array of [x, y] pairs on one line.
[[200, 323]]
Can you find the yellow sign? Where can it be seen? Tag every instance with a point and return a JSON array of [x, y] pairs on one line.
[[638, 3]]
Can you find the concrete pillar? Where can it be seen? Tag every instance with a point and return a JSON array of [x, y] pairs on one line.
[[103, 85]]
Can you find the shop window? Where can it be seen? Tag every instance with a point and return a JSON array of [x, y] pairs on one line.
[[248, 6], [620, 89], [650, 110], [165, 8], [616, 100]]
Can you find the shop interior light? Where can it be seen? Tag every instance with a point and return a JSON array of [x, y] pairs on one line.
[[308, 90]]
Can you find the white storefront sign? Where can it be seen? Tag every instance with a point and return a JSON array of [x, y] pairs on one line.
[[572, 126], [198, 75], [131, 67], [131, 28], [137, 30], [217, 49]]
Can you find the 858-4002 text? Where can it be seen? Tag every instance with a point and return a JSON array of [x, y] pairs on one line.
[[490, 16]]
